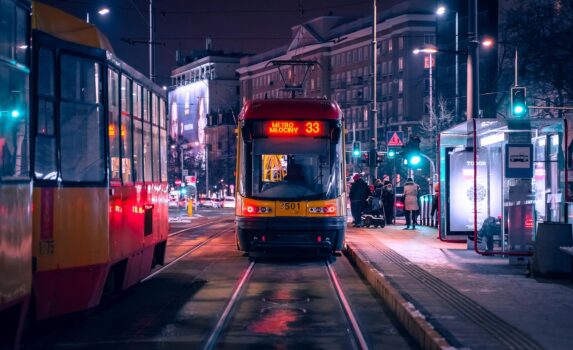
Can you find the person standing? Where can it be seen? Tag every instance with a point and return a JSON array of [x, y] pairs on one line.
[[411, 206], [359, 192], [388, 201]]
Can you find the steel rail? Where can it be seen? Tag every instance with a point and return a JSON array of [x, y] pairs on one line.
[[356, 332], [191, 250], [213, 337]]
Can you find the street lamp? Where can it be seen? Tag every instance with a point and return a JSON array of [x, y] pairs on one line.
[[430, 50], [441, 11], [102, 12]]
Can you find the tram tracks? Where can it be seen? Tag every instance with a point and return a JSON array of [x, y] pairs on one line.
[[189, 251], [352, 324]]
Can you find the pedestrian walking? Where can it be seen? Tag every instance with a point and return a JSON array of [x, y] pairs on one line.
[[359, 192], [388, 201], [377, 198], [411, 206]]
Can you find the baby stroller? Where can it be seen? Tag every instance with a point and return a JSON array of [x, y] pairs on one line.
[[373, 213]]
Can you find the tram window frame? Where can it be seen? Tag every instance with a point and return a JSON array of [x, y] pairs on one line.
[[146, 108], [45, 147], [138, 150], [147, 153], [155, 109], [113, 108], [163, 140], [155, 153], [70, 126], [126, 139]]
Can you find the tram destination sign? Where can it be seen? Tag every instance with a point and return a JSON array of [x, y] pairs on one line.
[[289, 128]]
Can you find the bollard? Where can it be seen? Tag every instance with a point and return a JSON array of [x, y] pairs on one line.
[[190, 207]]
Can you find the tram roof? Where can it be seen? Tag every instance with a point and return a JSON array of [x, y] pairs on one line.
[[64, 26], [293, 109]]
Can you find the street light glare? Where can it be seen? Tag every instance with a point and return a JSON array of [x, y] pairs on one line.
[[104, 11], [440, 10], [487, 42]]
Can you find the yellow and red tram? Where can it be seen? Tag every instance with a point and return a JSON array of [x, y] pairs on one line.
[[15, 182], [100, 191], [290, 175]]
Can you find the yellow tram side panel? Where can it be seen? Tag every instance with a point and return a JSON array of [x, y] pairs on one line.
[[15, 242], [76, 219]]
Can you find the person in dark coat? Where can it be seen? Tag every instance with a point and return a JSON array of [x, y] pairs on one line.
[[388, 201], [359, 192]]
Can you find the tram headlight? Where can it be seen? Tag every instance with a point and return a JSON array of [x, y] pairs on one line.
[[253, 210], [327, 210]]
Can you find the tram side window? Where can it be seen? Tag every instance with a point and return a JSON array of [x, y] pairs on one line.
[[155, 108], [113, 128], [163, 140], [14, 161], [156, 160], [138, 150], [45, 167], [163, 150], [81, 121], [147, 152], [126, 129], [145, 105]]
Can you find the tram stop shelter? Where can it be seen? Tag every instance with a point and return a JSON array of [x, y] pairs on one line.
[[499, 180]]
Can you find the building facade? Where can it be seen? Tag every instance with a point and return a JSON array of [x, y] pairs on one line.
[[203, 100], [343, 49]]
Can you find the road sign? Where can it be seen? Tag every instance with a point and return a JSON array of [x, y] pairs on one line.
[[394, 138], [191, 180], [185, 172]]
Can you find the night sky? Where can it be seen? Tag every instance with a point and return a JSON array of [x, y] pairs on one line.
[[250, 26]]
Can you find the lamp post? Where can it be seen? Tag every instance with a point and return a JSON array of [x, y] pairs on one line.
[[441, 11], [431, 50], [102, 12]]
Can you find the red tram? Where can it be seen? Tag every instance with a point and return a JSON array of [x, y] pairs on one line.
[[99, 154], [290, 175], [15, 182]]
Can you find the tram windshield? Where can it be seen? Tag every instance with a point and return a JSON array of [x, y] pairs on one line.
[[292, 168]]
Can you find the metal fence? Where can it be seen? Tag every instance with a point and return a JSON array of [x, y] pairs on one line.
[[426, 217]]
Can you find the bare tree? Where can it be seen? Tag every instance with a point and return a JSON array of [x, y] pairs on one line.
[[541, 32], [441, 118]]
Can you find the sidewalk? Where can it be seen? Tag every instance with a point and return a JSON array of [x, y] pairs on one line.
[[447, 296]]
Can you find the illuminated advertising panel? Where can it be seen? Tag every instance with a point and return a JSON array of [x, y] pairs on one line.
[[189, 106], [461, 201]]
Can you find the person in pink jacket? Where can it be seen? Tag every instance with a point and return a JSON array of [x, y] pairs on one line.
[[411, 206]]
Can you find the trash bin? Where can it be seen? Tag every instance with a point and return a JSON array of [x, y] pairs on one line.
[[548, 259]]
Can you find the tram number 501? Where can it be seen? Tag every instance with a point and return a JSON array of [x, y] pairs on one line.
[[290, 206], [312, 127]]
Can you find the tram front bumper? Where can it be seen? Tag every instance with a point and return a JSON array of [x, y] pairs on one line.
[[291, 232]]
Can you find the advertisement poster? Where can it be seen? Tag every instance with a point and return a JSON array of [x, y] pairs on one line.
[[189, 104], [461, 201]]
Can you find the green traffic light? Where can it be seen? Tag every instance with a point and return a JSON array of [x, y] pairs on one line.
[[391, 154], [15, 113], [356, 153], [518, 109]]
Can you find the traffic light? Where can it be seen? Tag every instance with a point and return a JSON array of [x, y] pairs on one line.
[[379, 158], [518, 102], [391, 153], [356, 150], [372, 158], [413, 156]]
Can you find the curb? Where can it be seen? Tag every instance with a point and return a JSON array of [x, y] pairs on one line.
[[412, 319]]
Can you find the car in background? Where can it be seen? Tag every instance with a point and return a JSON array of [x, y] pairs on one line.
[[217, 203], [399, 202], [229, 202]]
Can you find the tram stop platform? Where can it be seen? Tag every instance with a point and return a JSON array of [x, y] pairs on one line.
[[447, 296]]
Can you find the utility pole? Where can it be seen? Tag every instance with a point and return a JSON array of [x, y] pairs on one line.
[[473, 62], [151, 40], [374, 122]]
